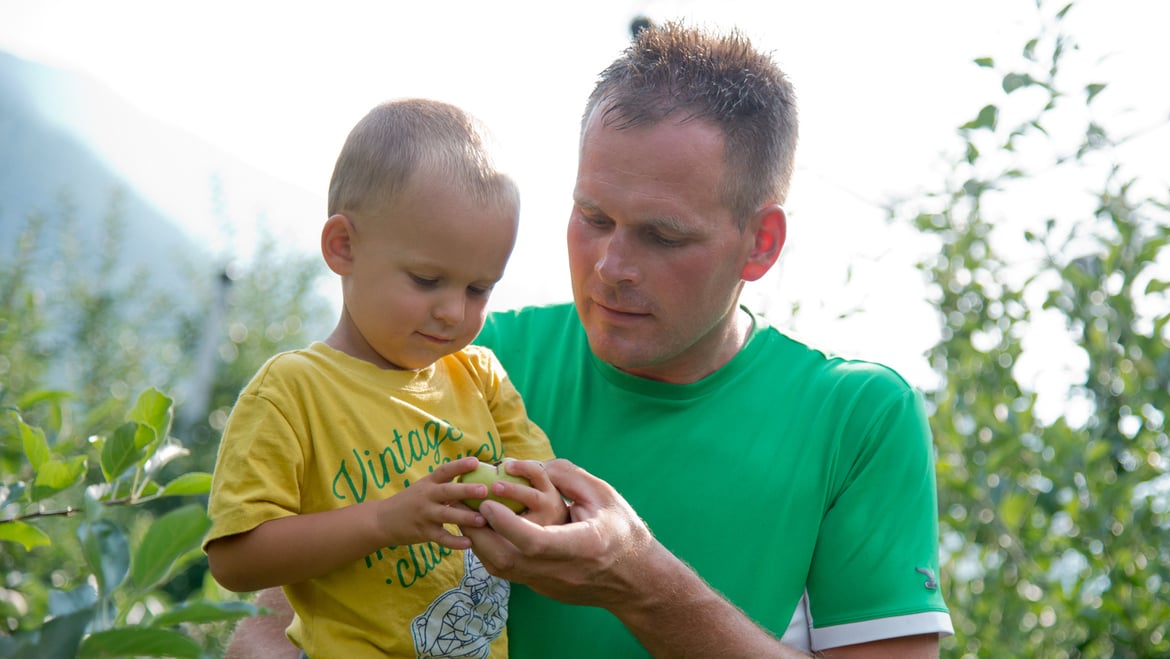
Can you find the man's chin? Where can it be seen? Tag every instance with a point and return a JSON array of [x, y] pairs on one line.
[[616, 348]]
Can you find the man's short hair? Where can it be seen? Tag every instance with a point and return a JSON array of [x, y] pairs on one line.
[[684, 73]]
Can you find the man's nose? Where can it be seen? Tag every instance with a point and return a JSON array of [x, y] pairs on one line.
[[615, 264]]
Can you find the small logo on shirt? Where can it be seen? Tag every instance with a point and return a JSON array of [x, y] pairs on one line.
[[930, 584]]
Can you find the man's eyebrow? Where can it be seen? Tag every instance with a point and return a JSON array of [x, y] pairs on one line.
[[667, 223], [670, 224], [585, 204]]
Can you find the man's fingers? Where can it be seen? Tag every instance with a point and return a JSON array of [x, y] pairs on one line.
[[528, 538], [576, 484], [496, 553]]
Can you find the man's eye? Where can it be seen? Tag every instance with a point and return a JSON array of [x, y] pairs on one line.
[[425, 282], [479, 291], [595, 221], [665, 241]]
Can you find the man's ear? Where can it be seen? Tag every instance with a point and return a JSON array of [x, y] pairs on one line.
[[337, 244], [771, 227]]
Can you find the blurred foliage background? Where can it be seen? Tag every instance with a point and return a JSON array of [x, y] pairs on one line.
[[1055, 517], [94, 457]]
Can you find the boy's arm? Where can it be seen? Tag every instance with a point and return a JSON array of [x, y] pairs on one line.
[[291, 549]]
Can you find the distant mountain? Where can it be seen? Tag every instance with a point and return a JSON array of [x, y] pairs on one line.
[[63, 135], [44, 167]]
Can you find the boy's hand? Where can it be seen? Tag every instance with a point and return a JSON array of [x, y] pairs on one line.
[[420, 512], [545, 505]]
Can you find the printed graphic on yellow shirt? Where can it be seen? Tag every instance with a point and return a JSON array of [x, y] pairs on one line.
[[463, 621], [368, 472]]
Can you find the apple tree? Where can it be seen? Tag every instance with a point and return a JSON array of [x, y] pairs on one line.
[[1050, 279], [103, 476]]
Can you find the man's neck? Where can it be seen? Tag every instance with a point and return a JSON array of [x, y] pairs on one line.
[[700, 361]]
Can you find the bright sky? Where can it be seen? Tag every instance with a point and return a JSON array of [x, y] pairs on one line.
[[882, 86]]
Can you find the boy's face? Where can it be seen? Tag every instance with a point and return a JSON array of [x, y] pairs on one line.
[[422, 271]]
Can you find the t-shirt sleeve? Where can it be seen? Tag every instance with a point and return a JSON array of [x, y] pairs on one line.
[[874, 572], [521, 437], [257, 471]]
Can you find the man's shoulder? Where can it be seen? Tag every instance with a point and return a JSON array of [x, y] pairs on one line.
[[818, 364], [533, 313], [525, 324]]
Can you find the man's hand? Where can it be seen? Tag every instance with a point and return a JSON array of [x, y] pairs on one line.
[[606, 557], [593, 560]]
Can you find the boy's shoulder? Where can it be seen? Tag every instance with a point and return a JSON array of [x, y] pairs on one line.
[[291, 366], [292, 361]]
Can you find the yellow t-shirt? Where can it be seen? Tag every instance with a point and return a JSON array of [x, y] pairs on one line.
[[316, 430]]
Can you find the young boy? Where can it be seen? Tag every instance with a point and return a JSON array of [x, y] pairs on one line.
[[335, 478]]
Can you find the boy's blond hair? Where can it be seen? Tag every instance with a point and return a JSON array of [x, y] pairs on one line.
[[399, 138]]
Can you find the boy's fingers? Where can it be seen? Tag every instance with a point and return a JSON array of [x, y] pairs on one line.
[[448, 471], [533, 470]]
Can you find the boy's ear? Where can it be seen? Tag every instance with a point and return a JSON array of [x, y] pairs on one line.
[[337, 244], [771, 227]]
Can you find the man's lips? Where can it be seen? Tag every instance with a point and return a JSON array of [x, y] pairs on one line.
[[619, 311]]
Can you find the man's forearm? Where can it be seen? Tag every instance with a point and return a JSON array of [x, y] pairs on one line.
[[262, 637], [677, 614]]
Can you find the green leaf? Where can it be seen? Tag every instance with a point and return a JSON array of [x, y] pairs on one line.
[[43, 395], [1092, 90], [1157, 286], [106, 551], [154, 410], [60, 636], [972, 153], [138, 642], [122, 449], [56, 475], [36, 447], [168, 538], [55, 401], [1013, 81], [1012, 509], [192, 484], [202, 611], [985, 62], [1030, 49], [1095, 451], [25, 534], [988, 117]]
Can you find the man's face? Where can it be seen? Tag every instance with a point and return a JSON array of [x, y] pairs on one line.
[[654, 254]]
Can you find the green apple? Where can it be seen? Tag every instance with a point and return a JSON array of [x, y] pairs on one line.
[[488, 473]]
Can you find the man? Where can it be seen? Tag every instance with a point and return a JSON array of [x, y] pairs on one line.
[[773, 500]]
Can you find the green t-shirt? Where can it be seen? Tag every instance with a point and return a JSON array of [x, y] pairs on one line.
[[799, 485]]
